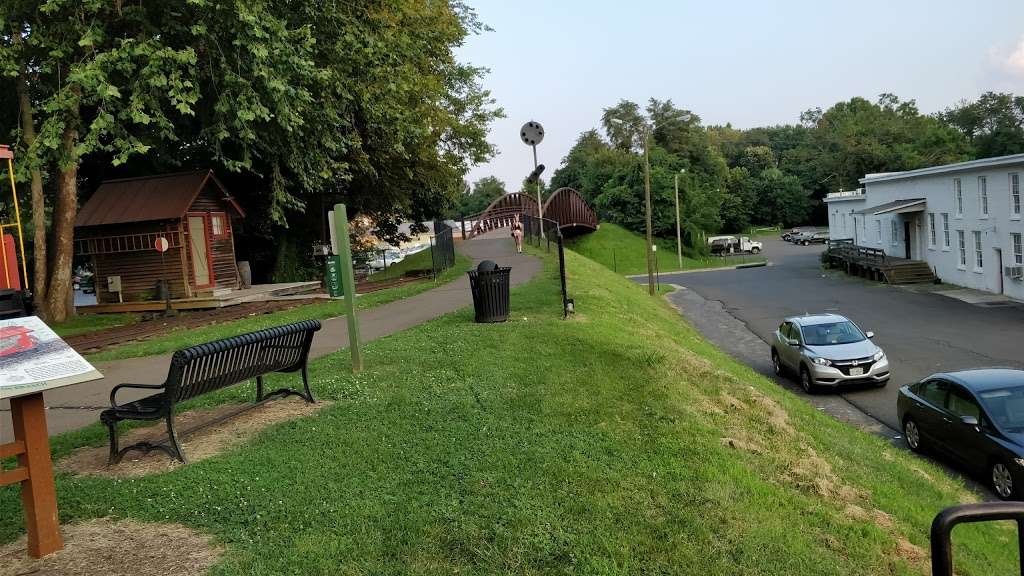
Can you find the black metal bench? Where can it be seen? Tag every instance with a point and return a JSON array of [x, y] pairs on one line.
[[208, 367]]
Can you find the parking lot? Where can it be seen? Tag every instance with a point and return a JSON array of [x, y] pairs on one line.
[[921, 331]]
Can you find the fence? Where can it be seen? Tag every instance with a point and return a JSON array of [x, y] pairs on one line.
[[544, 232], [442, 248]]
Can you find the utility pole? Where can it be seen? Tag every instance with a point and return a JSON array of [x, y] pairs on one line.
[[679, 232], [647, 201]]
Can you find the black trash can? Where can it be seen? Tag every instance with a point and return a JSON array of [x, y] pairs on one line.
[[489, 284]]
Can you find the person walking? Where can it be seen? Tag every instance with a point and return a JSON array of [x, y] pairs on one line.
[[517, 234]]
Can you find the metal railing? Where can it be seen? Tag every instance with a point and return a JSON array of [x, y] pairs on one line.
[[544, 232], [442, 248], [945, 521]]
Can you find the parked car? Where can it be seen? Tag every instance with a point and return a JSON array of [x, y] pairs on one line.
[[813, 238], [828, 350], [734, 245], [788, 234], [385, 259], [975, 417]]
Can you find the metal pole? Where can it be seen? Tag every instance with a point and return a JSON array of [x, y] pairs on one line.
[[540, 205], [348, 284], [679, 233], [647, 202]]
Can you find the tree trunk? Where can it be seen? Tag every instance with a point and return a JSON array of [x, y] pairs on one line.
[[39, 276], [59, 294]]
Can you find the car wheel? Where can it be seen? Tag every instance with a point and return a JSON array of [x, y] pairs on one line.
[[776, 363], [1002, 481], [755, 250], [913, 434], [805, 381], [806, 243]]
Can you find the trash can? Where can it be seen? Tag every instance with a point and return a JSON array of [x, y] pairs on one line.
[[332, 276], [489, 284]]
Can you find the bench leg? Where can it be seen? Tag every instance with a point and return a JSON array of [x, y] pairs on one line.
[[172, 436], [305, 385], [114, 456], [259, 388]]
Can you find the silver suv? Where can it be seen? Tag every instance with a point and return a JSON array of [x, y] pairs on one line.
[[828, 350]]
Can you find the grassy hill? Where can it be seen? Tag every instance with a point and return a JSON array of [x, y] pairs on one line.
[[624, 252], [616, 442]]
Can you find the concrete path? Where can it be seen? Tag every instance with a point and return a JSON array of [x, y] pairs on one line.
[[77, 406]]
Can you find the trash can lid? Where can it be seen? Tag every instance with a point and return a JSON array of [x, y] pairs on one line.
[[487, 266]]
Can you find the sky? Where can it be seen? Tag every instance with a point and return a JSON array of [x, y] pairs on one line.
[[748, 63]]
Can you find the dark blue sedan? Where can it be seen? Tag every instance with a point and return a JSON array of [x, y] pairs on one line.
[[976, 418]]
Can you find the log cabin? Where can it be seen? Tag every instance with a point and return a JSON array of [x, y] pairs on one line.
[[118, 228]]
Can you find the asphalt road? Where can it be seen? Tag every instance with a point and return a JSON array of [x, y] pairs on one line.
[[921, 331]]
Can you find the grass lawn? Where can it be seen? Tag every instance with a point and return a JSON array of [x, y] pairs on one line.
[[623, 251], [91, 322], [319, 310], [616, 442], [419, 261]]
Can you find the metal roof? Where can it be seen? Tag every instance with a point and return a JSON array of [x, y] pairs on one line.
[[947, 168], [895, 206], [162, 197]]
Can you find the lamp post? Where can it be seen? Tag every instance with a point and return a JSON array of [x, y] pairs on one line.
[[679, 232]]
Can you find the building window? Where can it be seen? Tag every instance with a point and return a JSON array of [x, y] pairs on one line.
[[945, 230], [979, 256], [983, 196], [878, 230], [1018, 249], [1015, 194], [958, 197], [931, 229], [895, 231], [218, 225], [963, 248]]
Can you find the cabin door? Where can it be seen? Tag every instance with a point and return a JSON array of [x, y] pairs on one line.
[[199, 249]]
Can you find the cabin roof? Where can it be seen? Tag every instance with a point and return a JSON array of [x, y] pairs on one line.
[[160, 197]]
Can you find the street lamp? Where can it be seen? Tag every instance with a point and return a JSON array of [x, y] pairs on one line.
[[679, 233], [647, 202]]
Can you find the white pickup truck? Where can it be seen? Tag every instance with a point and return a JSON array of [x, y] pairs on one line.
[[721, 245]]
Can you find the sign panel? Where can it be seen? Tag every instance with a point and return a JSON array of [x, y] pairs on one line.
[[161, 244], [33, 358]]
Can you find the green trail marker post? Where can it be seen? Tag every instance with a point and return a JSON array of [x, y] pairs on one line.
[[348, 284], [333, 276]]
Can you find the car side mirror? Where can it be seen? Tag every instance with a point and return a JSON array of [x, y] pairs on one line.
[[793, 342], [870, 334], [969, 420]]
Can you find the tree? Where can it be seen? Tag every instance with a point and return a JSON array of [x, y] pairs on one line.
[[485, 190], [290, 101], [994, 123]]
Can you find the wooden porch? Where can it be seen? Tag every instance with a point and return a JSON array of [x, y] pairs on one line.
[[214, 299], [875, 264]]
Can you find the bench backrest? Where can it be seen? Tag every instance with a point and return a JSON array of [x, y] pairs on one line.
[[214, 365]]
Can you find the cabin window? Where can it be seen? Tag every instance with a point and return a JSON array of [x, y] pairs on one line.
[[218, 225]]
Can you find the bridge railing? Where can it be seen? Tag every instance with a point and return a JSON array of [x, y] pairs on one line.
[[540, 231], [488, 220]]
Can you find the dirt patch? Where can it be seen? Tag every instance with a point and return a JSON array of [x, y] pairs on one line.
[[879, 518], [910, 552], [773, 413], [117, 548], [733, 402], [814, 473], [199, 445]]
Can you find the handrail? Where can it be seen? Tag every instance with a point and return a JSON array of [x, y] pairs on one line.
[[945, 521]]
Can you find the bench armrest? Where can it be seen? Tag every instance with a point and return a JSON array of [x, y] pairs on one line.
[[113, 403]]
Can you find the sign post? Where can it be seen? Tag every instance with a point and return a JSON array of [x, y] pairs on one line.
[[161, 244], [343, 250]]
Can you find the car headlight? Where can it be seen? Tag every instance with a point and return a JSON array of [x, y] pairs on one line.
[[878, 356], [821, 361]]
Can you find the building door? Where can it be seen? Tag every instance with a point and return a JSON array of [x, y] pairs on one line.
[[906, 239], [199, 249], [999, 270]]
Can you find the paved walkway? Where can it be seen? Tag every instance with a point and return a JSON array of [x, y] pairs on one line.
[[77, 406]]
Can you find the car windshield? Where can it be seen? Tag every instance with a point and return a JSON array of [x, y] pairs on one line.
[[1005, 406], [843, 332]]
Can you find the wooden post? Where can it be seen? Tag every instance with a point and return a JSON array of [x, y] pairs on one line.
[[348, 284], [35, 473]]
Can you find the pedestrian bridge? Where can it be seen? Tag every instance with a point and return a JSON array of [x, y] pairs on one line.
[[566, 208]]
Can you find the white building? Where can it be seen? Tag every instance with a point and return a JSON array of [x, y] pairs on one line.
[[963, 219]]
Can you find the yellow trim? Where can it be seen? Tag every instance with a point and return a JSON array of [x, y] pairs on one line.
[[17, 218]]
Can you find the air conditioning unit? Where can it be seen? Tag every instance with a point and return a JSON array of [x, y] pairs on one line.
[[1015, 272]]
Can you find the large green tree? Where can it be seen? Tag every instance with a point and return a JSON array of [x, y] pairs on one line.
[[994, 123], [292, 100]]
